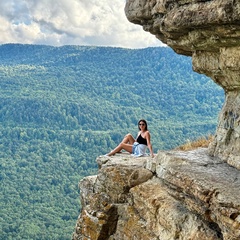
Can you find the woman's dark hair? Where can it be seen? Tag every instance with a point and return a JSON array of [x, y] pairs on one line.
[[145, 122]]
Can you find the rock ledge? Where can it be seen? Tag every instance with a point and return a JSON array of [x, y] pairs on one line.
[[176, 195]]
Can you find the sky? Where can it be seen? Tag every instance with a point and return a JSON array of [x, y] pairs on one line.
[[71, 22]]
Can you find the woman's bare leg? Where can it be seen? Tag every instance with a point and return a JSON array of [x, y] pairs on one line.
[[126, 144], [127, 147], [128, 139]]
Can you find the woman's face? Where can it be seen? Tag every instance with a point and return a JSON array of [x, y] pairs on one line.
[[141, 125]]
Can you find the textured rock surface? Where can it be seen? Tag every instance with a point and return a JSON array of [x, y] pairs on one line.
[[177, 195], [209, 31]]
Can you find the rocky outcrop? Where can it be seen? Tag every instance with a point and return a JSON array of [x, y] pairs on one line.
[[209, 31], [193, 195], [177, 195]]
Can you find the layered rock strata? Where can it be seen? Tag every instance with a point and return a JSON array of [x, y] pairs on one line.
[[209, 31], [176, 196]]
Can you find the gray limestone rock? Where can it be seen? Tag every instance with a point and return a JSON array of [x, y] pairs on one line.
[[176, 195], [209, 31]]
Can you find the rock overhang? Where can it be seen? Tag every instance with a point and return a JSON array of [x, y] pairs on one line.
[[188, 26]]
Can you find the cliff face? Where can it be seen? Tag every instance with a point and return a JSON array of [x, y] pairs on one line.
[[177, 195], [209, 31]]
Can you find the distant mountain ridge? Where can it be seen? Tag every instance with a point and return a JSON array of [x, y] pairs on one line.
[[61, 107]]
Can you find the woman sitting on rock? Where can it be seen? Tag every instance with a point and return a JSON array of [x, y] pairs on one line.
[[137, 147]]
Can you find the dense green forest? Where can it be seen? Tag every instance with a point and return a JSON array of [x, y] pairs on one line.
[[61, 107]]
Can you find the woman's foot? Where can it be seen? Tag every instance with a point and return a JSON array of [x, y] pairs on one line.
[[110, 154]]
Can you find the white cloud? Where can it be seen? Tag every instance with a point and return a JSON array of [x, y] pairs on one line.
[[70, 22]]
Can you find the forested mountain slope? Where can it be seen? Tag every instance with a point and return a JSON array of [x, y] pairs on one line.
[[61, 107]]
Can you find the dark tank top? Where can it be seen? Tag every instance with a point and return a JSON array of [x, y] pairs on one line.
[[141, 140]]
